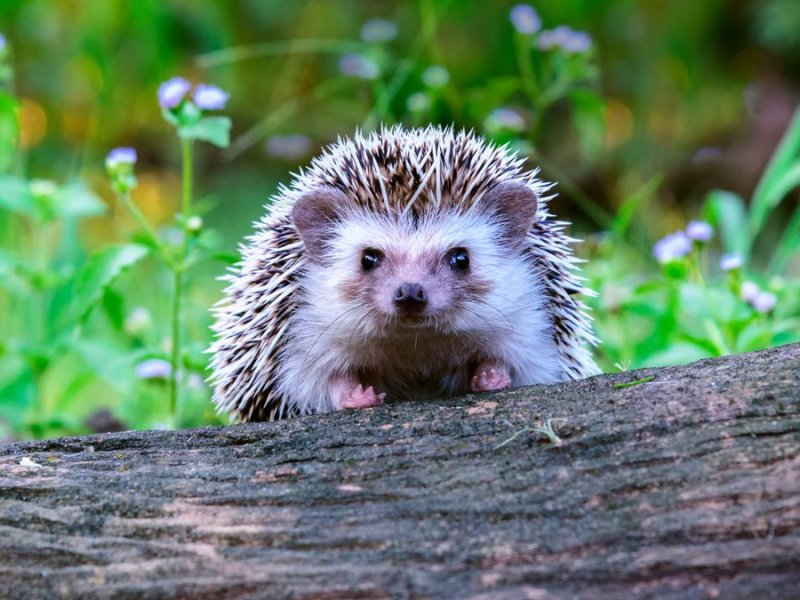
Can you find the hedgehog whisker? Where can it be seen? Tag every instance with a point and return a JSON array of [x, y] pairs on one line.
[[498, 311], [475, 313], [356, 327], [323, 332]]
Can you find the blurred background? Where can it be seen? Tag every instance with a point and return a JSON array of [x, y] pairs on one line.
[[638, 110]]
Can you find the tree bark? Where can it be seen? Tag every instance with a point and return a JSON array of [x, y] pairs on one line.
[[685, 484]]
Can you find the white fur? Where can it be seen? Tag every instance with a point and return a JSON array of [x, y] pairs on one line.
[[279, 335], [331, 336]]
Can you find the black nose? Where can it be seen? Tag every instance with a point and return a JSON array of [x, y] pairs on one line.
[[411, 296]]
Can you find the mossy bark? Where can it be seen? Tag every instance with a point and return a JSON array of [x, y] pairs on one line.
[[686, 485]]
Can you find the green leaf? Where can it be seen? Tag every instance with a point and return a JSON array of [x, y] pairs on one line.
[[9, 128], [679, 353], [632, 204], [755, 336], [114, 365], [726, 211], [781, 175], [15, 195], [114, 305], [230, 258], [76, 200], [216, 130], [789, 244], [99, 272], [589, 113], [17, 389], [786, 332]]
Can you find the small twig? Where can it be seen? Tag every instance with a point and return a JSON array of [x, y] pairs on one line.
[[546, 429], [619, 386]]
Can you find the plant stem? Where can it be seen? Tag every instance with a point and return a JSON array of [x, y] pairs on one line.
[[179, 280], [186, 157], [176, 349], [529, 83], [125, 197]]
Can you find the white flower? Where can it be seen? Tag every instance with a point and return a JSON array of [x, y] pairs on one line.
[[504, 119], [378, 30], [749, 291], [699, 231], [435, 76], [358, 65], [525, 19], [210, 97], [418, 102], [194, 223], [171, 92], [730, 262], [290, 147], [672, 246], [764, 302], [153, 368], [566, 38], [138, 321], [120, 156]]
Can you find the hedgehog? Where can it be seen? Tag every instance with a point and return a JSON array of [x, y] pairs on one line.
[[403, 264]]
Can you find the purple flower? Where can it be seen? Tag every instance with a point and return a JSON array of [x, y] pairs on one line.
[[566, 38], [504, 119], [120, 156], [358, 65], [699, 231], [730, 262], [671, 247], [525, 19], [209, 97], [153, 368], [749, 291], [3, 43], [378, 30], [171, 92], [764, 302], [289, 146]]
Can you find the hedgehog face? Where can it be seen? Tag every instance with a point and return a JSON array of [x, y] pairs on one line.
[[408, 272], [400, 258], [396, 271]]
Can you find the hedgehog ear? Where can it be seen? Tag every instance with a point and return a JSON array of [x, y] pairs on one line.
[[315, 215], [515, 205]]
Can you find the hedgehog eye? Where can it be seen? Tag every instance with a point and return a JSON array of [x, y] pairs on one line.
[[370, 259], [459, 259]]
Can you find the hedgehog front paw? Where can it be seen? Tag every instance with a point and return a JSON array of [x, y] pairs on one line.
[[489, 376], [347, 396]]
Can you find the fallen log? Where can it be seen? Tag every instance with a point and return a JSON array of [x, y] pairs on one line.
[[681, 482]]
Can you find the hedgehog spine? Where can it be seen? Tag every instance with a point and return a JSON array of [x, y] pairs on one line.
[[278, 350]]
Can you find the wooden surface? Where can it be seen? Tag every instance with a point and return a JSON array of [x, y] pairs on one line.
[[684, 486]]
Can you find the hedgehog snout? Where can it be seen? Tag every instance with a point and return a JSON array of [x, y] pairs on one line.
[[410, 297]]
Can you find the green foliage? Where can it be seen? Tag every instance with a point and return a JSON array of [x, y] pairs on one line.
[[95, 287], [94, 279], [693, 310], [192, 124]]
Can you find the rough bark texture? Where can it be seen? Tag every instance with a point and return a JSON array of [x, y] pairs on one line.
[[684, 486]]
